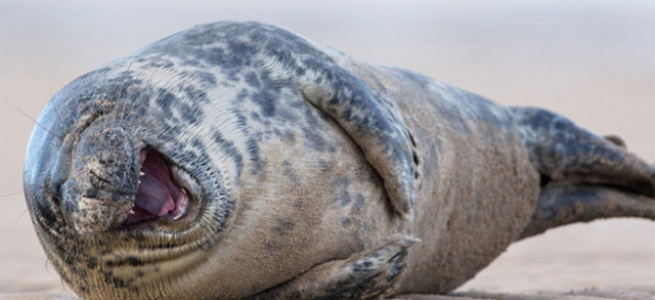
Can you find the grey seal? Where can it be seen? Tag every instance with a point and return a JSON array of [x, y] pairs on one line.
[[240, 160]]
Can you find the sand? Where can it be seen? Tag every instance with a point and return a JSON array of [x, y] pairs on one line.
[[590, 60]]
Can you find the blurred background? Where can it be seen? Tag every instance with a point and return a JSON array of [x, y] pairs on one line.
[[592, 61]]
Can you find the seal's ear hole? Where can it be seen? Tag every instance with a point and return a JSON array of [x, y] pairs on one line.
[[415, 157]]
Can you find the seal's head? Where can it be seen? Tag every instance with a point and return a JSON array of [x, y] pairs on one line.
[[113, 205]]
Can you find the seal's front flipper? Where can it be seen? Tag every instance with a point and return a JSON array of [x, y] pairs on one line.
[[373, 122], [583, 176], [367, 275]]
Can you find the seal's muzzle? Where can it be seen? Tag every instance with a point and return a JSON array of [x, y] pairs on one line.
[[101, 187]]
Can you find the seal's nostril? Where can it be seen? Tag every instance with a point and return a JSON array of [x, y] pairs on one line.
[[96, 178], [106, 161]]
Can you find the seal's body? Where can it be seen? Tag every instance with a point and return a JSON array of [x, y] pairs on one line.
[[237, 160]]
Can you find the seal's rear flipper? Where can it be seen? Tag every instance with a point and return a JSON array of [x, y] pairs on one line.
[[368, 275], [565, 204], [583, 176]]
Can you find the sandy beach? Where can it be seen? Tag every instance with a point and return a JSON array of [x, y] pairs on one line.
[[592, 61]]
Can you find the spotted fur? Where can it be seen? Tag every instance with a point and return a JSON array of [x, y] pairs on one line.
[[312, 175]]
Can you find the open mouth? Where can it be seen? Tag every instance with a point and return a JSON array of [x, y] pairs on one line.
[[158, 195]]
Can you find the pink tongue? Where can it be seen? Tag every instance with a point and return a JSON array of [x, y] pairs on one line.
[[157, 191]]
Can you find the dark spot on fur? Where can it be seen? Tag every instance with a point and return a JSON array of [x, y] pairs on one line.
[[133, 261], [359, 202], [121, 282], [284, 226], [340, 189], [345, 221], [289, 172], [195, 94], [165, 100], [197, 144], [92, 263], [253, 152], [288, 136], [190, 113], [69, 259], [231, 150], [266, 93], [206, 78], [252, 79], [129, 260], [314, 139]]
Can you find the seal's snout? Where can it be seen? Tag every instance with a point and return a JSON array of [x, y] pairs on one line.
[[110, 162], [101, 187]]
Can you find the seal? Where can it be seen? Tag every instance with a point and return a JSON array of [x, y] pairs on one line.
[[240, 160]]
